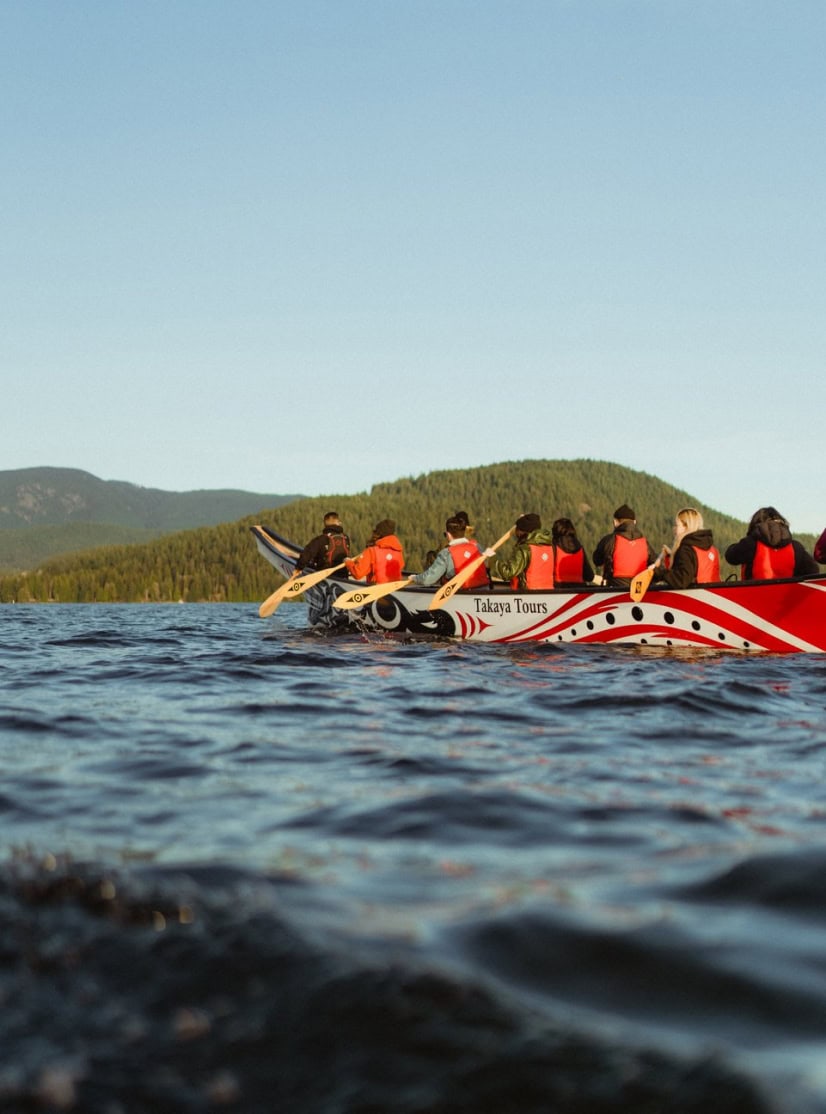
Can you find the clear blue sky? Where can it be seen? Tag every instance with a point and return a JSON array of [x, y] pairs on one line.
[[313, 246]]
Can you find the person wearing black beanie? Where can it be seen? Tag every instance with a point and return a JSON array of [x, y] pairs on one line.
[[625, 552], [531, 565]]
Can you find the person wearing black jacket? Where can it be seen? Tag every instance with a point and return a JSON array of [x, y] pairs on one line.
[[694, 558], [625, 552], [769, 551], [327, 549]]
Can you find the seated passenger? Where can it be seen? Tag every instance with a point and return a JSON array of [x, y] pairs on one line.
[[571, 566], [531, 565], [768, 550], [626, 552], [694, 558], [326, 549], [450, 560], [382, 560]]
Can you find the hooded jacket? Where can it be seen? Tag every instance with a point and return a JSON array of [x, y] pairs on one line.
[[604, 553], [380, 563], [694, 547], [780, 560], [515, 567]]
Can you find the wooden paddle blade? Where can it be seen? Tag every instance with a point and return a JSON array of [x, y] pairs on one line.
[[294, 587], [639, 585], [359, 597], [447, 590]]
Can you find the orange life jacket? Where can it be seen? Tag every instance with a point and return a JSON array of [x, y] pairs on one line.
[[379, 563], [540, 570], [769, 563], [708, 564], [630, 556], [463, 553], [569, 568]]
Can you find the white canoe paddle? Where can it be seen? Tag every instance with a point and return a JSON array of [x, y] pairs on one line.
[[294, 587], [359, 597]]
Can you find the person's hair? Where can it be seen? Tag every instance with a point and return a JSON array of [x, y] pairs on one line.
[[766, 514], [691, 518], [331, 518], [455, 527], [461, 516], [561, 527]]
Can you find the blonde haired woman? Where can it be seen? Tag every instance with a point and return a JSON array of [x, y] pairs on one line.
[[694, 557]]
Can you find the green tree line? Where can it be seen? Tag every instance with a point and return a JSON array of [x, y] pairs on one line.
[[222, 564]]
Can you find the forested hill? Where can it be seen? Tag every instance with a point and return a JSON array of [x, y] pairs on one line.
[[222, 563], [50, 511]]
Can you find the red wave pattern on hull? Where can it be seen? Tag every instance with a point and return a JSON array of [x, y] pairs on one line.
[[766, 617], [471, 625]]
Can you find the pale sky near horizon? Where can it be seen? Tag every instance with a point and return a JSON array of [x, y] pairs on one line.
[[310, 247]]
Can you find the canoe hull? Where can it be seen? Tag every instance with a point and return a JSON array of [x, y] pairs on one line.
[[777, 616]]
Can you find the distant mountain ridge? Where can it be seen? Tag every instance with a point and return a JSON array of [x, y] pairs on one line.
[[222, 563], [48, 511]]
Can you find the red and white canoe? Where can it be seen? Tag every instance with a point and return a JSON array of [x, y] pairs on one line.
[[770, 616]]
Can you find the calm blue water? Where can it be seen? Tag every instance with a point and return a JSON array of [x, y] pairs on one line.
[[251, 867]]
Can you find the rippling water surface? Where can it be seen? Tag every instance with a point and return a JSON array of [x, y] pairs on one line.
[[251, 867]]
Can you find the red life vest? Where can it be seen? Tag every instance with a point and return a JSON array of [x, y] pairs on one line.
[[463, 553], [569, 568], [540, 570], [630, 556], [769, 563], [379, 563], [388, 564], [708, 564]]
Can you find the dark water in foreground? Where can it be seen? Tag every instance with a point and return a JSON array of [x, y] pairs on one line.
[[251, 868]]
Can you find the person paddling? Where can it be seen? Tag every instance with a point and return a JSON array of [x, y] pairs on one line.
[[453, 557], [383, 559], [327, 549], [694, 558], [531, 565]]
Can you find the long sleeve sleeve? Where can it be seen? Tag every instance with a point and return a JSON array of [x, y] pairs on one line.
[[442, 566]]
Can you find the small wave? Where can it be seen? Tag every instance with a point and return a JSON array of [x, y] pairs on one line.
[[789, 883], [188, 992]]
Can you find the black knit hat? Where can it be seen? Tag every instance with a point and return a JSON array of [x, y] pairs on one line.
[[624, 512], [527, 523], [383, 528]]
